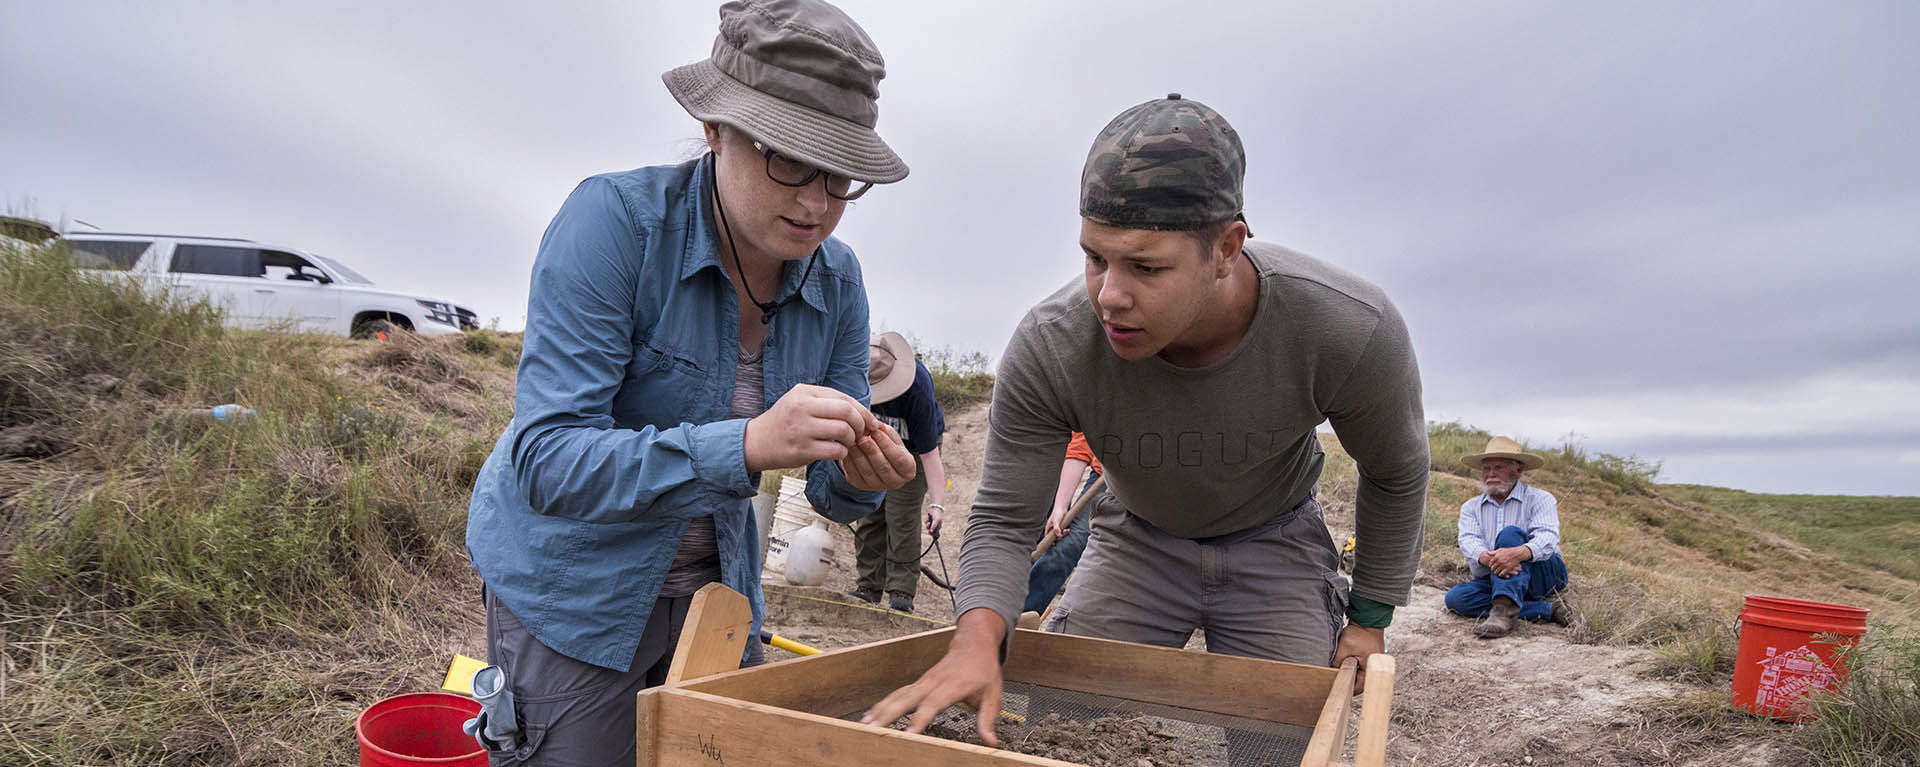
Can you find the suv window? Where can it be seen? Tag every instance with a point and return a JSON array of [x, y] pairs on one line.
[[217, 259], [345, 274], [118, 255], [281, 265]]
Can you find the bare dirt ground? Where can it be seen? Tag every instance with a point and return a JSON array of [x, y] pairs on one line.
[[1532, 698]]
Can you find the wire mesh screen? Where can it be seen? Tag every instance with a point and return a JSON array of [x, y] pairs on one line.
[[1104, 731]]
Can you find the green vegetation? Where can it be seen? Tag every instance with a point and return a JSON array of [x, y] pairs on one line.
[[501, 347], [1875, 720], [1448, 443], [1665, 567], [1695, 549], [175, 590], [1882, 532], [959, 379], [1453, 441]]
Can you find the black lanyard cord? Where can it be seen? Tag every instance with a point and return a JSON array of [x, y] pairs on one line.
[[767, 308]]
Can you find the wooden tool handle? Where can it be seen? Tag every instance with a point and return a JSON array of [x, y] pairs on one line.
[[1067, 519]]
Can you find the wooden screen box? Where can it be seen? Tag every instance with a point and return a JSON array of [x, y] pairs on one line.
[[1211, 709]]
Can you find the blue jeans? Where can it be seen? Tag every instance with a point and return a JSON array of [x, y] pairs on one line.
[[1530, 588], [1050, 572]]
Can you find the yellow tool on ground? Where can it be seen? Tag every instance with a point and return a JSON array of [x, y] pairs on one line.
[[787, 644]]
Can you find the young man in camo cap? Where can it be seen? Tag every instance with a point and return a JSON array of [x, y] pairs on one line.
[[1198, 364]]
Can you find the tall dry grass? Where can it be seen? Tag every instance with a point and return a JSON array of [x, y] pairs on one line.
[[179, 591], [1874, 721]]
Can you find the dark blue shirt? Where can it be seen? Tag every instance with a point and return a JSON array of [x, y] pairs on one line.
[[915, 414]]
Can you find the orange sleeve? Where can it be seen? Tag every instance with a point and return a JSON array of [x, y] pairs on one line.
[[1078, 449]]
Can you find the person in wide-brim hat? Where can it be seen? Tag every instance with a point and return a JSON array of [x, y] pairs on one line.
[[886, 544], [801, 77], [1510, 535], [890, 366], [648, 402], [1502, 447]]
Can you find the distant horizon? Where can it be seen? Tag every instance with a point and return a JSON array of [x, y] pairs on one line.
[[1660, 478]]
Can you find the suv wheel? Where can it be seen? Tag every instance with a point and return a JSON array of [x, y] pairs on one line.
[[375, 329]]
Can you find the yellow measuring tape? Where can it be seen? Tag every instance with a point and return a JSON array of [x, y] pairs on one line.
[[872, 608]]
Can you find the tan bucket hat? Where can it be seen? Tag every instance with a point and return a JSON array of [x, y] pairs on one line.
[[799, 76], [1501, 447], [889, 366]]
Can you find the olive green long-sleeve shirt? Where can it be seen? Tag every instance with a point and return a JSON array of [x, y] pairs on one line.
[[1200, 452]]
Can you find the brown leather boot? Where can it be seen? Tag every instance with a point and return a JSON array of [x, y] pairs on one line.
[[1499, 621], [1563, 613]]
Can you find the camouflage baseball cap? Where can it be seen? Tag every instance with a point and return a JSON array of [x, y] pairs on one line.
[[1169, 164]]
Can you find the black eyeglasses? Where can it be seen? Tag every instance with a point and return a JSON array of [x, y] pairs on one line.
[[787, 171]]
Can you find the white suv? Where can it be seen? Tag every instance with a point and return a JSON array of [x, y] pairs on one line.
[[261, 285]]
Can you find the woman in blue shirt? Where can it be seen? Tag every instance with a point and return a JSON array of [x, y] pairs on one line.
[[688, 327]]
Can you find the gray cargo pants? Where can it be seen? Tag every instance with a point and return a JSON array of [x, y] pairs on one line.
[[572, 713], [1273, 591], [886, 543]]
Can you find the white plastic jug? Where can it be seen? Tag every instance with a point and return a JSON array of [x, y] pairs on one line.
[[791, 514], [810, 556]]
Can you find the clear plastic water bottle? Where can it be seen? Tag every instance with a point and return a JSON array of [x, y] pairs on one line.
[[226, 413]]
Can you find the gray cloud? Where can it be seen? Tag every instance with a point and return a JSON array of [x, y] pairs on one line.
[[1595, 202]]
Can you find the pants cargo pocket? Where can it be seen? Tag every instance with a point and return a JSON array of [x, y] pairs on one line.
[[1337, 595], [575, 710], [565, 707], [1057, 620], [528, 747]]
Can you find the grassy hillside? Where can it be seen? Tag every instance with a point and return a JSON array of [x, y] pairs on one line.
[[179, 591], [1668, 566], [175, 591], [1688, 542], [1880, 532]]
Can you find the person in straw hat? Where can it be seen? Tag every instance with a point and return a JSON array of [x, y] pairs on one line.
[[680, 318], [1198, 364], [1510, 535], [886, 543]]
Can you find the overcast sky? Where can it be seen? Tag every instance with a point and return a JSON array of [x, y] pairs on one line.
[[1686, 232]]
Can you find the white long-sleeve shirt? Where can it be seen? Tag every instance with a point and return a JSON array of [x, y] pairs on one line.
[[1527, 507]]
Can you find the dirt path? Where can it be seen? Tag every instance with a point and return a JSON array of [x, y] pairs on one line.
[[1530, 697], [1536, 698]]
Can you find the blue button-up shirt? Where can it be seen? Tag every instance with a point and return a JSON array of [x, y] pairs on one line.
[[620, 433], [1527, 507]]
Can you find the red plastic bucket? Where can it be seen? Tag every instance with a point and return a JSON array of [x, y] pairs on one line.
[[419, 728], [1783, 657]]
